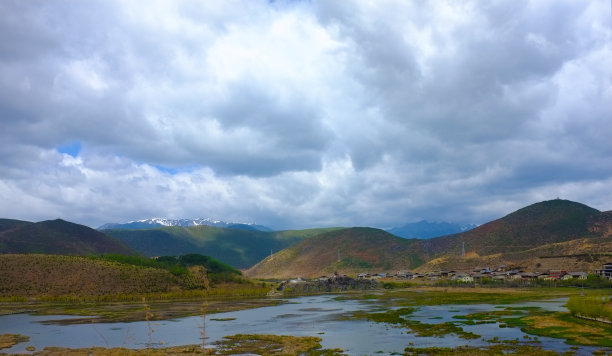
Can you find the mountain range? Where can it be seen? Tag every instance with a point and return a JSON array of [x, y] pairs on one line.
[[237, 247], [161, 222], [557, 233]]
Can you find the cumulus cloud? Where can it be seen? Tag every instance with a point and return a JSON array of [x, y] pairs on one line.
[[296, 114]]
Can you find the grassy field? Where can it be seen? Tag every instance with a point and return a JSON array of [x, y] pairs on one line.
[[116, 278]]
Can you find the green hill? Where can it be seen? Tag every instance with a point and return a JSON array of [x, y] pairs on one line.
[[236, 247], [348, 251], [56, 237]]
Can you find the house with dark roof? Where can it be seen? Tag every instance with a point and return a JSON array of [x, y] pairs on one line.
[[605, 271]]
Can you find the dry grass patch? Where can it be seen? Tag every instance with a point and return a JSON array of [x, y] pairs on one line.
[[542, 322], [231, 345], [10, 340], [574, 330]]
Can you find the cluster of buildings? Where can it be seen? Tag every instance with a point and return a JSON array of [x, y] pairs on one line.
[[501, 273]]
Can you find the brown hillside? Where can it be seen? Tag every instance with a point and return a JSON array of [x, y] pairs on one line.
[[585, 254], [601, 224], [54, 275], [536, 225], [57, 237], [347, 251]]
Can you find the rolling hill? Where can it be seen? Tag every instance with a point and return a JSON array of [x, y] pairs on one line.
[[236, 247], [554, 234], [56, 237], [349, 251], [536, 225]]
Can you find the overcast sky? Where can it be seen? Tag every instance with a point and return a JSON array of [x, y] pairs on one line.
[[296, 114]]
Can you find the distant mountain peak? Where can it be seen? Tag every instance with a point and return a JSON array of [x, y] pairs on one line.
[[426, 229], [163, 222]]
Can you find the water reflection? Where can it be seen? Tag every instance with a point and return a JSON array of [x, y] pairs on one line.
[[322, 316]]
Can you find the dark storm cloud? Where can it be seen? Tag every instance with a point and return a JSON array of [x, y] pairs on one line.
[[302, 113], [96, 76]]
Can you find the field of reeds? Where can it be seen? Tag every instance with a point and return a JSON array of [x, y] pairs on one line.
[[597, 307]]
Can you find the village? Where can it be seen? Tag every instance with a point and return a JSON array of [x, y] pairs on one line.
[[501, 273]]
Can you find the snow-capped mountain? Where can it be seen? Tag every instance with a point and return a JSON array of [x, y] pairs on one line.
[[161, 222]]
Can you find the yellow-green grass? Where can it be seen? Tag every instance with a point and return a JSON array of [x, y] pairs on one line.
[[598, 307], [575, 331], [539, 322]]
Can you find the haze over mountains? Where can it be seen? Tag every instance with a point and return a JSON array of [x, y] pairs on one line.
[[422, 230], [237, 247], [425, 229], [161, 222]]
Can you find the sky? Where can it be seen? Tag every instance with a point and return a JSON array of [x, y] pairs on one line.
[[297, 114]]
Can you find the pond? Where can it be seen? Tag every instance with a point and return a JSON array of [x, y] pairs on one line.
[[323, 316]]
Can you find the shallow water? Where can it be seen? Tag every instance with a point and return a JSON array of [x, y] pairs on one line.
[[321, 316]]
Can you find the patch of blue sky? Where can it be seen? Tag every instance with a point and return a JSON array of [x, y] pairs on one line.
[[173, 170], [71, 149]]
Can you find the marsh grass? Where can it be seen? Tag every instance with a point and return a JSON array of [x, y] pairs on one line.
[[504, 348], [531, 320], [565, 326], [539, 322], [10, 340], [272, 345], [397, 317]]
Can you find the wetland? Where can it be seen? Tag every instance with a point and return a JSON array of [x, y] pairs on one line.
[[385, 322]]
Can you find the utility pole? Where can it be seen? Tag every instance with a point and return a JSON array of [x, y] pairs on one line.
[[463, 249], [338, 254]]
